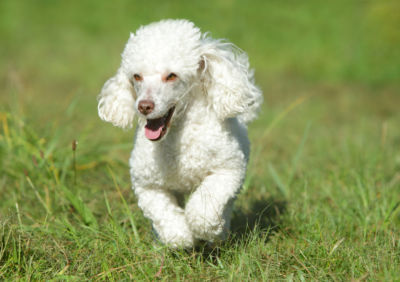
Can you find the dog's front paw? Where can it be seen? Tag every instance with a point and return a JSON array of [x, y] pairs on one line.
[[206, 219], [175, 234]]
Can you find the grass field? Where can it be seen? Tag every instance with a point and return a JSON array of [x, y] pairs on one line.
[[322, 196]]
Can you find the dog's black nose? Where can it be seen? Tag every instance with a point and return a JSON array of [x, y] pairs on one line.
[[146, 107]]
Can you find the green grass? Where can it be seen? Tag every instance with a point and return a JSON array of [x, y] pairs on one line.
[[322, 196]]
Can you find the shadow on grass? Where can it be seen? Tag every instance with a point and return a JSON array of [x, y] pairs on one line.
[[262, 214]]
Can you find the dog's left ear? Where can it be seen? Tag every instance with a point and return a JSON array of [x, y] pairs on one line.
[[116, 101], [228, 81]]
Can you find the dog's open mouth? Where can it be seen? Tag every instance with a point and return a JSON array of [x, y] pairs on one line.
[[156, 128]]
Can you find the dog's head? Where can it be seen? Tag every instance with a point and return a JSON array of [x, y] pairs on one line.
[[160, 66]]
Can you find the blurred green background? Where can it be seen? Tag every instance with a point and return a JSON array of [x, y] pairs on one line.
[[55, 51], [324, 171]]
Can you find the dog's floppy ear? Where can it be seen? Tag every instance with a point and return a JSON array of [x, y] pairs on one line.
[[116, 101], [228, 81]]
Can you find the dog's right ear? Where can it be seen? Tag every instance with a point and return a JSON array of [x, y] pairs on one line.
[[117, 102]]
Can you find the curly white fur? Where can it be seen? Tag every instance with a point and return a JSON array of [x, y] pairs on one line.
[[205, 149]]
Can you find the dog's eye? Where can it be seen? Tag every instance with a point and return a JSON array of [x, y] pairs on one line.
[[137, 77], [171, 77]]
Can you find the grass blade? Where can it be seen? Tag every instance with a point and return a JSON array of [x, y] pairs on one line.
[[81, 208], [281, 186], [299, 152], [129, 212]]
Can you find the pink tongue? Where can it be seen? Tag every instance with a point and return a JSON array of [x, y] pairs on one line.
[[153, 128]]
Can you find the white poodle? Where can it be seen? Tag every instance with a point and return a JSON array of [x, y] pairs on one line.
[[193, 96]]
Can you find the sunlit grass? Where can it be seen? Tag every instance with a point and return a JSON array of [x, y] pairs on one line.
[[322, 196]]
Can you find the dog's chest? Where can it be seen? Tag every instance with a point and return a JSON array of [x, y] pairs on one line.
[[183, 159], [185, 166]]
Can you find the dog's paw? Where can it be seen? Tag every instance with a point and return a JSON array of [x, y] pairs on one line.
[[175, 234], [206, 221]]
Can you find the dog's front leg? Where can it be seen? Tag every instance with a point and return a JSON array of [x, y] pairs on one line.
[[168, 218], [209, 208]]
